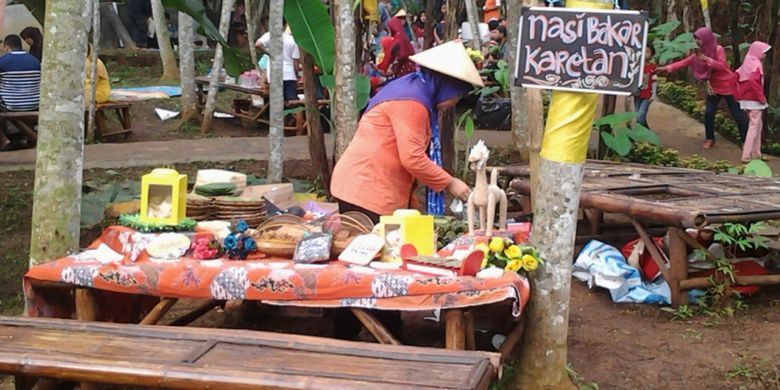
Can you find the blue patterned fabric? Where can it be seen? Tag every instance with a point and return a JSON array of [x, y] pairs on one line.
[[435, 200]]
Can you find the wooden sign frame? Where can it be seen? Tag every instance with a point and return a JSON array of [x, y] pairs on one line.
[[590, 83]]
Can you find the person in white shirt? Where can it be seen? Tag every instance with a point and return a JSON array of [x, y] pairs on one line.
[[291, 56]]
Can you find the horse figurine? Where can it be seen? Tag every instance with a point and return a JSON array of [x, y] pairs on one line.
[[485, 196]]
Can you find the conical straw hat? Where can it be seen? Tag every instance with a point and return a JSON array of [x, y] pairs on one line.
[[400, 14], [451, 59]]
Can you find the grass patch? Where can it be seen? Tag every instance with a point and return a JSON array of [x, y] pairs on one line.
[[751, 373]]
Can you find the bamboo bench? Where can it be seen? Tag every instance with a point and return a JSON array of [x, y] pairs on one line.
[[26, 121], [98, 353]]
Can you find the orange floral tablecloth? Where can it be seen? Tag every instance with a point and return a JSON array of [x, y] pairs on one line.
[[117, 262]]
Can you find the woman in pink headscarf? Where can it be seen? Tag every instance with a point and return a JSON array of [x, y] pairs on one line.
[[751, 97], [397, 49], [710, 66]]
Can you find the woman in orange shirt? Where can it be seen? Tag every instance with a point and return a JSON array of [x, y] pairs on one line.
[[390, 150]]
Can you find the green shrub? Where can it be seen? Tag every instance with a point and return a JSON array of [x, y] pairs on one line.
[[645, 153]]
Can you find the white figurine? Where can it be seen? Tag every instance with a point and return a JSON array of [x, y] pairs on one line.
[[485, 196]]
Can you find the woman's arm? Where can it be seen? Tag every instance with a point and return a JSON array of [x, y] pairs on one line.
[[675, 66], [719, 62], [410, 124]]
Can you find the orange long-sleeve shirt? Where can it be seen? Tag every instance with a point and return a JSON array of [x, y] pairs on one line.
[[378, 169]]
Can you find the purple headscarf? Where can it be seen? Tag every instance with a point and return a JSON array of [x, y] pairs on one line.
[[427, 87], [709, 47]]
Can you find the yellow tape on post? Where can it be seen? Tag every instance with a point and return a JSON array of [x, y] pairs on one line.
[[570, 117]]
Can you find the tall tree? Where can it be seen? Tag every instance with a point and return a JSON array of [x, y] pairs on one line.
[[60, 150], [216, 69], [276, 120], [544, 352], [170, 70], [774, 12], [317, 148], [189, 102], [430, 22], [448, 118], [253, 10], [93, 69], [2, 13], [108, 13], [344, 113], [671, 14], [473, 17], [705, 9]]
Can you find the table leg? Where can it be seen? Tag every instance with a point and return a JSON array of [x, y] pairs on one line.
[[29, 133], [678, 257], [455, 333], [375, 327], [86, 305], [158, 311], [514, 337], [471, 342]]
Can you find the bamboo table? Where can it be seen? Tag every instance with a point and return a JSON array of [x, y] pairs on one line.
[[671, 200]]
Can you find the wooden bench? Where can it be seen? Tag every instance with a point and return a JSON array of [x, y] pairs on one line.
[[26, 121], [196, 358]]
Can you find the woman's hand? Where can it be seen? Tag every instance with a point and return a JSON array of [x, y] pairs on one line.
[[459, 189], [662, 70]]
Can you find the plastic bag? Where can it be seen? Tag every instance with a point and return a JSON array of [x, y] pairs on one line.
[[493, 113]]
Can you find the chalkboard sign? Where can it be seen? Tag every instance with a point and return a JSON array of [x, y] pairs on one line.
[[313, 248], [599, 51]]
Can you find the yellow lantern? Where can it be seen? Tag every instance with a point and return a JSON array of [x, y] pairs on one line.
[[163, 197]]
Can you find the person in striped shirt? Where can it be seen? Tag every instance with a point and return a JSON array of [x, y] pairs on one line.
[[20, 81]]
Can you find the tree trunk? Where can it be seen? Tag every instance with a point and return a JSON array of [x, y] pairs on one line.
[[770, 56], [170, 70], [216, 69], [189, 102], [251, 31], [686, 17], [736, 39], [60, 150], [430, 11], [93, 69], [107, 11], [317, 149], [705, 9], [473, 16], [2, 13], [671, 14], [448, 118], [344, 114], [544, 352], [276, 119]]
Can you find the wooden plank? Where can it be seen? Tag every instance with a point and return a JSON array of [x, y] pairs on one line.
[[471, 342], [678, 259], [655, 254], [375, 327], [261, 339], [158, 311], [747, 280], [19, 114], [514, 337], [228, 359]]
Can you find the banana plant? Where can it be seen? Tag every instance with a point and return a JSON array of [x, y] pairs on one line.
[[621, 138]]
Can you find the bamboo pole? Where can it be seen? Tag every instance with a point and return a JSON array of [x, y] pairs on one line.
[[317, 149], [678, 257], [514, 337], [375, 327], [655, 254], [471, 342], [158, 311], [90, 136], [276, 94]]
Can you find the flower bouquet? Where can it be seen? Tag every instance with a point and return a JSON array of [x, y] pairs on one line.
[[239, 243], [504, 253], [205, 249]]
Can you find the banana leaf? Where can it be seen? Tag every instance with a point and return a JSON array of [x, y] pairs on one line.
[[362, 88], [197, 11], [313, 31]]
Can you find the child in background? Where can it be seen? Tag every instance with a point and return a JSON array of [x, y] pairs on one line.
[[647, 93], [751, 97]]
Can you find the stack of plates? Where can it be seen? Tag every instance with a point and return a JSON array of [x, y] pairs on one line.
[[226, 208]]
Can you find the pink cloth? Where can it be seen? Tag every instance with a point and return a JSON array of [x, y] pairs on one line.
[[753, 59], [722, 80], [751, 150], [709, 47]]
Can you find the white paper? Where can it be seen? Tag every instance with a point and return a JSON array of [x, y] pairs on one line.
[[164, 114], [223, 115]]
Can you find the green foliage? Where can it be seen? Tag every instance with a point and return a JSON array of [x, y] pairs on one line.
[[310, 24], [198, 12], [686, 97], [645, 153], [500, 75], [670, 50], [95, 197], [622, 137], [362, 88], [466, 122], [133, 221], [577, 380], [683, 312]]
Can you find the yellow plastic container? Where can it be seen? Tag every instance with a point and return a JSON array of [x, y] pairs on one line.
[[407, 227], [163, 197]]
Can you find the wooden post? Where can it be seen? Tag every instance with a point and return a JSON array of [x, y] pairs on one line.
[[678, 257], [471, 342], [375, 327], [514, 337], [158, 311], [86, 304], [455, 333], [430, 10]]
